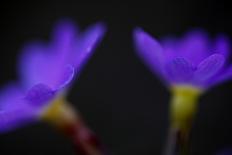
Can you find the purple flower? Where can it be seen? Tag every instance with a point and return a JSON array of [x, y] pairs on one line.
[[194, 60], [227, 151], [46, 70]]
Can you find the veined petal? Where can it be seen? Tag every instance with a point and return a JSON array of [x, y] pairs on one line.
[[208, 68], [179, 70], [149, 50]]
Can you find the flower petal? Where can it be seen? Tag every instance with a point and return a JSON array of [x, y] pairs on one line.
[[64, 32], [179, 70], [6, 94], [195, 46], [149, 50], [46, 64], [170, 45], [39, 95], [64, 41], [14, 111], [15, 118], [222, 45], [66, 77], [86, 44], [208, 68], [224, 76], [37, 65]]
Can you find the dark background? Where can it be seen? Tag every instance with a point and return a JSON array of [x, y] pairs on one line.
[[119, 98]]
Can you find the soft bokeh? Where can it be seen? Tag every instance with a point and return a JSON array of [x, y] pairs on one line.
[[120, 98]]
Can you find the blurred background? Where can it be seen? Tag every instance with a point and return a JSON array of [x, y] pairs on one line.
[[119, 98]]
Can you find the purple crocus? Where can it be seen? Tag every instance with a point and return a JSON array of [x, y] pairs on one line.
[[46, 70], [193, 60]]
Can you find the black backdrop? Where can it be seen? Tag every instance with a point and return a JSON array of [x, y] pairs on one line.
[[117, 95]]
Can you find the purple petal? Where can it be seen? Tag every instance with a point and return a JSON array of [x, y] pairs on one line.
[[46, 64], [64, 32], [170, 45], [42, 63], [195, 46], [39, 95], [224, 76], [64, 41], [87, 43], [208, 68], [14, 111], [66, 77], [15, 118], [37, 65], [179, 70], [9, 94], [222, 45], [149, 50]]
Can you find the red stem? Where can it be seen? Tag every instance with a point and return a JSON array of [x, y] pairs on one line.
[[84, 140]]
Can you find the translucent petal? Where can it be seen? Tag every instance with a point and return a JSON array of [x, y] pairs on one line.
[[208, 68]]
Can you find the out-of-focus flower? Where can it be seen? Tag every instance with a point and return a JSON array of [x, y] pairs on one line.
[[188, 66], [46, 70], [227, 151], [193, 60]]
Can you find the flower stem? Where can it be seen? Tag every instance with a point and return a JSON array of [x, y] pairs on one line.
[[177, 143], [61, 115], [84, 140], [170, 147], [183, 107]]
